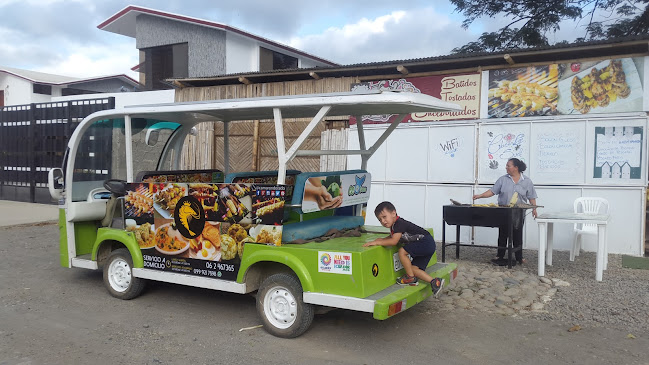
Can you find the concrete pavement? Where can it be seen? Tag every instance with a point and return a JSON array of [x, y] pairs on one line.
[[13, 213]]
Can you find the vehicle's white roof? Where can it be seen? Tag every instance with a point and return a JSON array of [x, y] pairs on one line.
[[302, 106]]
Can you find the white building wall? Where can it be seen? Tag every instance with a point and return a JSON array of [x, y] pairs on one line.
[[127, 98], [408, 170], [241, 54], [309, 63], [17, 91]]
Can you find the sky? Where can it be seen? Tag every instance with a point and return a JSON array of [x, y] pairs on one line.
[[61, 36]]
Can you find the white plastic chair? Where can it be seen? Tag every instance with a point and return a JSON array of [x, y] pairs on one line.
[[588, 205]]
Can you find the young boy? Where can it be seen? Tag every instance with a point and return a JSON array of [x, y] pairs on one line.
[[417, 242]]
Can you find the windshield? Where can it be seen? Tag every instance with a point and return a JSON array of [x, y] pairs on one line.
[[102, 152]]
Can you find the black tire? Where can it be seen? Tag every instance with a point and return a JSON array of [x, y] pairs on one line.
[[281, 307], [118, 276]]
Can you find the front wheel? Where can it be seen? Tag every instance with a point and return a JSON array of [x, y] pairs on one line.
[[281, 308], [118, 276]]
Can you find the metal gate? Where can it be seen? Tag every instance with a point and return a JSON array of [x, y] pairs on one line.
[[33, 139]]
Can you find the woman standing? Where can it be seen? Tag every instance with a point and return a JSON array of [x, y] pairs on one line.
[[505, 186]]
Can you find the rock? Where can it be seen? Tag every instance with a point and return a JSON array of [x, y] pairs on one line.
[[511, 282], [504, 299], [545, 298], [524, 303], [537, 306], [511, 292], [545, 280], [559, 282], [466, 293], [552, 292], [462, 303]]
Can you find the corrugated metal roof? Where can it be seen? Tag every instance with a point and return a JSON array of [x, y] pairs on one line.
[[45, 78], [39, 77], [439, 63]]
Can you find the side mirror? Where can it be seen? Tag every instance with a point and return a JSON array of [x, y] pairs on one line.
[[55, 183], [151, 138]]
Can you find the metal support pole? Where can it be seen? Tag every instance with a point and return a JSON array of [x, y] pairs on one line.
[[129, 147], [281, 147]]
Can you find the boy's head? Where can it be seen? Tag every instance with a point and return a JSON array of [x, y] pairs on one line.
[[386, 213]]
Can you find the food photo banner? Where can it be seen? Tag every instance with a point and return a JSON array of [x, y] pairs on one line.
[[604, 86], [201, 229], [335, 191], [461, 89]]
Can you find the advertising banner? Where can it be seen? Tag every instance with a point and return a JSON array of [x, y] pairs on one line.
[[335, 262], [461, 89], [608, 86], [201, 229], [330, 192]]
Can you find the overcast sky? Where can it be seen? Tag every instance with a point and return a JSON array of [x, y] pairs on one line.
[[61, 36]]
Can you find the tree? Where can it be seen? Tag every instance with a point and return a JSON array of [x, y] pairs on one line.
[[532, 20]]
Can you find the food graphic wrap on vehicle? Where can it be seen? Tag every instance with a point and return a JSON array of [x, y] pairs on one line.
[[230, 216]]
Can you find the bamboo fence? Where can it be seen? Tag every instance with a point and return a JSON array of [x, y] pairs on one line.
[[252, 143]]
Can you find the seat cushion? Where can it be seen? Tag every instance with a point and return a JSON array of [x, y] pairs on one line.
[[318, 227]]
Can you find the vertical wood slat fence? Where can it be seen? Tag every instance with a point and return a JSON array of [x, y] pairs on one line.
[[255, 148], [33, 140]]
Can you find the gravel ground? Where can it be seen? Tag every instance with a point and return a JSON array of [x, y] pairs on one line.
[[620, 301]]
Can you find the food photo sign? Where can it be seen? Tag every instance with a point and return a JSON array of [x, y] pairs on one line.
[[461, 89], [199, 228], [603, 86], [335, 191]]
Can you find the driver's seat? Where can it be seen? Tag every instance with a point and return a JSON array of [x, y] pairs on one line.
[[117, 189]]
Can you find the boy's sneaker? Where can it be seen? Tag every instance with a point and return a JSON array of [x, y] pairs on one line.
[[407, 280], [437, 284]]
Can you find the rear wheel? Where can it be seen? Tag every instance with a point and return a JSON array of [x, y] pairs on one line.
[[118, 276], [281, 308]]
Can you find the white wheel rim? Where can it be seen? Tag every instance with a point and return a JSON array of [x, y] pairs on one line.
[[280, 307], [119, 275]]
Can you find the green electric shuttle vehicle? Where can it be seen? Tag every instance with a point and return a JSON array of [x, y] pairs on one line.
[[128, 207]]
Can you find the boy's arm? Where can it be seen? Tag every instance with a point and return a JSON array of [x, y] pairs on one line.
[[387, 241]]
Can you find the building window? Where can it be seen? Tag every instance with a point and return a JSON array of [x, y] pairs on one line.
[[42, 89], [163, 63], [271, 60]]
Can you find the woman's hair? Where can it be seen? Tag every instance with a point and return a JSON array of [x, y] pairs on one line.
[[518, 163], [384, 205]]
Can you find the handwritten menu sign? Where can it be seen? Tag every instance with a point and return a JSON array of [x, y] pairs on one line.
[[461, 89], [618, 152], [559, 151]]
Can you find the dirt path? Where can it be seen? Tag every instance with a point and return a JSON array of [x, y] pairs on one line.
[[53, 315]]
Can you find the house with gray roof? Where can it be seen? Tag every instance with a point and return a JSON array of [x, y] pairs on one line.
[[177, 46], [19, 86]]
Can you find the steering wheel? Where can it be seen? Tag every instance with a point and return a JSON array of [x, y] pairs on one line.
[[116, 186]]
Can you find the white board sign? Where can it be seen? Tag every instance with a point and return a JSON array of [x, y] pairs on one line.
[[451, 156], [558, 153], [618, 152], [499, 143]]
